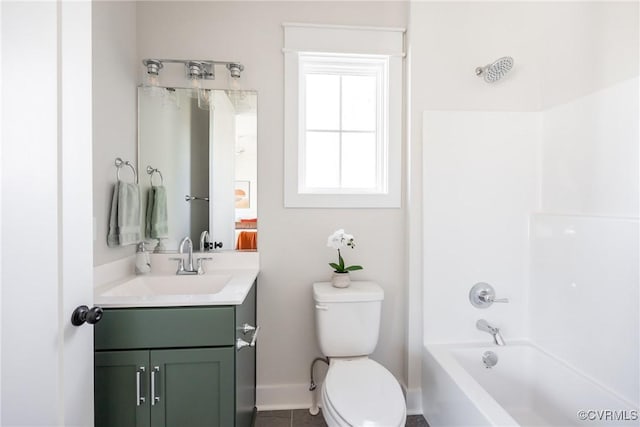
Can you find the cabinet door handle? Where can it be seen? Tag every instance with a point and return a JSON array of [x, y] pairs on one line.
[[155, 398], [139, 397]]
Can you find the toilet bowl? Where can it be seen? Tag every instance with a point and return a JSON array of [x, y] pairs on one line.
[[362, 393], [357, 391]]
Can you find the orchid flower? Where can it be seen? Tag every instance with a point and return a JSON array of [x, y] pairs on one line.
[[340, 240]]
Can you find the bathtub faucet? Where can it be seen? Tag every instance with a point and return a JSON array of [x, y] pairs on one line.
[[484, 326]]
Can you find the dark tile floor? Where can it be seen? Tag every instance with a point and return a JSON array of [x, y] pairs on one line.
[[302, 418]]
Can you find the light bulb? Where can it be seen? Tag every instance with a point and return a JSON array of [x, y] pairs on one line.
[[194, 73], [235, 84], [153, 69], [151, 85], [194, 86], [152, 80], [204, 99]]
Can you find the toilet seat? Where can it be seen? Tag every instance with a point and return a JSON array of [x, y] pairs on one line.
[[362, 392]]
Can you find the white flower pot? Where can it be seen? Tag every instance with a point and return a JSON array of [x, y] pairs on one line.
[[340, 280]]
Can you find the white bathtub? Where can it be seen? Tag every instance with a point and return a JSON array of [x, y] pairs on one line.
[[527, 387]]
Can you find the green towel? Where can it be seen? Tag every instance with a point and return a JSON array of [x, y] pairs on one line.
[[156, 225], [149, 213], [124, 219]]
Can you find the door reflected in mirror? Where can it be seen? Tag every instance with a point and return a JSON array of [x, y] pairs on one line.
[[198, 151]]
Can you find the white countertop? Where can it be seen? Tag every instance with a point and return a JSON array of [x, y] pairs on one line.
[[240, 271]]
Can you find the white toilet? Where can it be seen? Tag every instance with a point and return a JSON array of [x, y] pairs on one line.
[[357, 391]]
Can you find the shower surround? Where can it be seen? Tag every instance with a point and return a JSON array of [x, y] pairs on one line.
[[531, 185], [552, 226]]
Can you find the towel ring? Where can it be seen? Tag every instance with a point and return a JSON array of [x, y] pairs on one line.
[[151, 171], [120, 163]]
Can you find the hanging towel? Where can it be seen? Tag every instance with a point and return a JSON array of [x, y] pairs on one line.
[[156, 224], [247, 240], [124, 218]]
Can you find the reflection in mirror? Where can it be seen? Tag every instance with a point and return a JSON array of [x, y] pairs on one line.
[[201, 152]]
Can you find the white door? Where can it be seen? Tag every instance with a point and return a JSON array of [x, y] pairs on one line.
[[222, 143], [46, 209]]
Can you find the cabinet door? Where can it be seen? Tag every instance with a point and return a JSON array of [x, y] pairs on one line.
[[121, 389], [192, 387]]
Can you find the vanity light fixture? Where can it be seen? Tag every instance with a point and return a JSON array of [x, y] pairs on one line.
[[196, 70], [194, 74], [153, 68], [235, 69]]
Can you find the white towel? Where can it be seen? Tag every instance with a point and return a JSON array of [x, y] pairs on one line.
[[124, 219]]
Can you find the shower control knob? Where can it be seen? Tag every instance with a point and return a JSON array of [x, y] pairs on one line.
[[482, 295], [217, 245], [84, 314]]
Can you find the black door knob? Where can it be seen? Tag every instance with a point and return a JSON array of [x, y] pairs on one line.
[[85, 314]]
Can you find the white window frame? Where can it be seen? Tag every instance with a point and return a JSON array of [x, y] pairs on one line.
[[330, 45], [312, 63]]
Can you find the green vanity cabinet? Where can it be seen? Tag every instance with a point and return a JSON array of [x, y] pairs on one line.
[[175, 366], [120, 374]]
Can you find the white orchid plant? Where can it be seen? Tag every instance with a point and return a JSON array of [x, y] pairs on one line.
[[340, 240]]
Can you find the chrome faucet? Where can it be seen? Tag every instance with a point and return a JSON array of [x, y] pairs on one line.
[[484, 326], [188, 269], [187, 240]]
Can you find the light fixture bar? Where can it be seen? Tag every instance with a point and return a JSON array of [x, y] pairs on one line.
[[195, 68]]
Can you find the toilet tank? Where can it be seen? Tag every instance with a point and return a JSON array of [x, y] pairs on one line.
[[347, 319]]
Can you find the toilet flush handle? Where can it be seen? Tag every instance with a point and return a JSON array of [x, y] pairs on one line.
[[321, 307]]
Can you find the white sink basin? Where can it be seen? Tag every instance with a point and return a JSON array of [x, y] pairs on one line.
[[170, 285]]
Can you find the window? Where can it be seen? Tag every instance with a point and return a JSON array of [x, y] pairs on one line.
[[343, 138], [342, 117]]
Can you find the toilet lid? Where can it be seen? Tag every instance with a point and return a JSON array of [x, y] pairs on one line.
[[364, 393]]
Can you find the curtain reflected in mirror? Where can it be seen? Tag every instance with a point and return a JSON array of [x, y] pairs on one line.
[[198, 151]]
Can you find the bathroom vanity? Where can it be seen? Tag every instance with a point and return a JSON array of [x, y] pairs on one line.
[[187, 363]]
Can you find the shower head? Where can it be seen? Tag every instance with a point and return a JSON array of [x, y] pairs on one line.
[[496, 70]]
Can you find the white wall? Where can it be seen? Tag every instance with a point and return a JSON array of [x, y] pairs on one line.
[[585, 262], [115, 121], [479, 188], [562, 50], [591, 153], [584, 300], [292, 246]]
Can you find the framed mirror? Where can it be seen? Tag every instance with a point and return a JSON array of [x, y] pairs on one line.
[[198, 150]]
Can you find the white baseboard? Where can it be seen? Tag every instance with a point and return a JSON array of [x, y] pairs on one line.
[[414, 401], [284, 396], [297, 396]]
